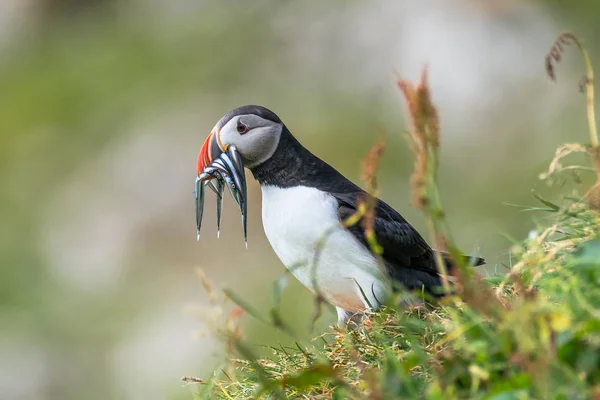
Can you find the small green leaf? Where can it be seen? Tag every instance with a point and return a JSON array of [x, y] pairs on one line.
[[340, 393], [548, 204], [310, 376], [588, 254]]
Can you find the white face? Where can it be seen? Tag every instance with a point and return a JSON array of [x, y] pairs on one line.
[[256, 138]]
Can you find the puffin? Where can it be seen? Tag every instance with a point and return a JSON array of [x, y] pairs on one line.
[[304, 203]]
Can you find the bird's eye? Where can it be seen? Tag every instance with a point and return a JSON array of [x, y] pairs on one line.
[[241, 128]]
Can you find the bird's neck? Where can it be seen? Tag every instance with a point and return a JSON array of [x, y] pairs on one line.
[[293, 165], [287, 165]]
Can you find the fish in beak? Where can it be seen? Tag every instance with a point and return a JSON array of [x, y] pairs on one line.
[[219, 166]]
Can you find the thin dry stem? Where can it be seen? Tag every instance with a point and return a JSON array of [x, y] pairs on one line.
[[552, 58], [561, 152], [369, 175], [425, 142]]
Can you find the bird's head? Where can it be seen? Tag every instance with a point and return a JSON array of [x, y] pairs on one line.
[[254, 131]]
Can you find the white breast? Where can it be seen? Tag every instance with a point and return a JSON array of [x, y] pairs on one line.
[[300, 220]]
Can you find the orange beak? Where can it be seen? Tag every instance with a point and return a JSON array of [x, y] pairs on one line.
[[209, 151]]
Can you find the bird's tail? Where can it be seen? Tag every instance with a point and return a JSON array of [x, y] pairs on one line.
[[469, 260], [474, 261]]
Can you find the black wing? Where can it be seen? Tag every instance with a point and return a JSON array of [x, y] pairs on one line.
[[402, 245], [408, 258]]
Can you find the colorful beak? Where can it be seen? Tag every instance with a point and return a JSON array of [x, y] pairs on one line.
[[209, 151]]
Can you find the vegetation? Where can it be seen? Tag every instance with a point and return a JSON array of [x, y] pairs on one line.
[[532, 333]]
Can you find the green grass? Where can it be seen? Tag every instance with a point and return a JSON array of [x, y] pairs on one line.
[[533, 333]]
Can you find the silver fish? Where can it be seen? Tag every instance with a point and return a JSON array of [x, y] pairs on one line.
[[225, 170]]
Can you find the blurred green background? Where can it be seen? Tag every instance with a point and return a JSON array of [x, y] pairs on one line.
[[104, 105]]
